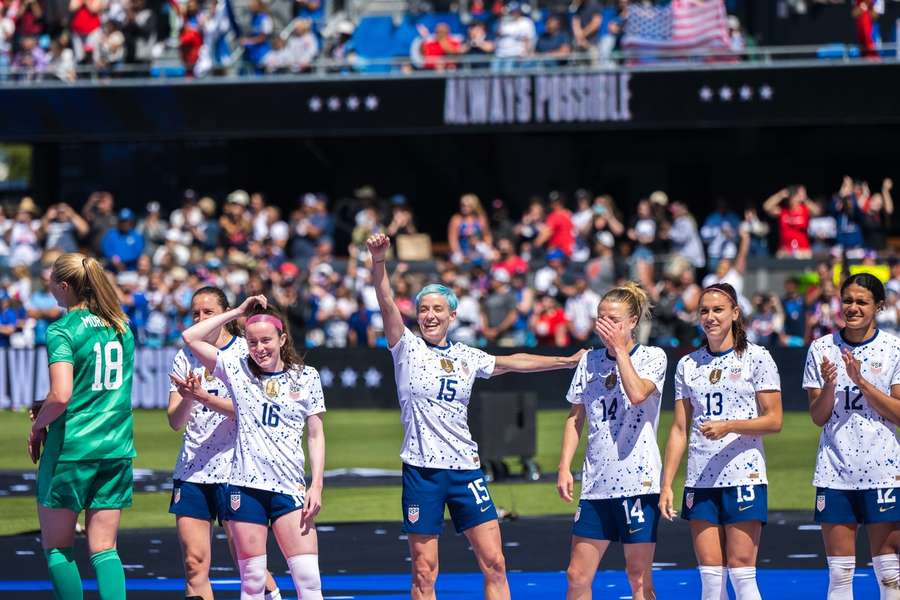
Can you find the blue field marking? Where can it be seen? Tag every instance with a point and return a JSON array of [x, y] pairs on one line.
[[774, 584]]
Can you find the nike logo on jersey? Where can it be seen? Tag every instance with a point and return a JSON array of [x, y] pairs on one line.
[[633, 531], [486, 508], [884, 508], [743, 508]]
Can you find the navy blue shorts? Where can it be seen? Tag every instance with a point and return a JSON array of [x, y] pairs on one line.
[[427, 491], [724, 506], [249, 505], [856, 506], [197, 500], [632, 520]]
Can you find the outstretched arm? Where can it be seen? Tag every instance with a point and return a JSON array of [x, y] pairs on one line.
[[378, 245], [195, 335], [534, 363]]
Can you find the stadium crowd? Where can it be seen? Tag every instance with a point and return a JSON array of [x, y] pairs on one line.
[[523, 280]]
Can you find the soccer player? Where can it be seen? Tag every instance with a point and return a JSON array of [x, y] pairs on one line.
[[853, 381], [618, 390], [440, 459], [729, 392], [199, 402], [85, 424], [275, 396]]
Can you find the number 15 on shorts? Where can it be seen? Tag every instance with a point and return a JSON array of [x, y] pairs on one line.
[[480, 491]]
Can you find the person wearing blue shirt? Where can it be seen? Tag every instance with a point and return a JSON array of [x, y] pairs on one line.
[[123, 245], [42, 307], [9, 318], [256, 43], [720, 233], [847, 212], [554, 41]]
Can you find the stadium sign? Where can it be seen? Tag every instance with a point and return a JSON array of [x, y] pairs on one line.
[[561, 98]]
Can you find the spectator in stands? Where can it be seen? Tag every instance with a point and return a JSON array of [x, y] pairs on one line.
[[554, 42], [864, 14], [549, 323], [766, 326], [98, 212], [611, 31], [582, 221], [123, 245], [732, 273], [793, 209], [516, 38], [256, 42], [62, 58], [25, 235], [876, 217], [529, 227], [845, 206], [30, 60], [190, 40], [478, 45], [467, 325], [581, 310], [499, 311], [822, 230], [42, 308], [10, 321], [153, 227], [587, 17], [208, 231], [63, 227], [684, 237], [557, 232], [85, 26], [758, 230], [340, 48], [30, 20], [139, 30], [824, 316], [295, 55], [507, 260], [720, 233], [794, 306], [525, 303], [402, 220], [306, 9], [437, 49], [469, 232], [602, 270], [643, 233], [109, 48], [234, 222], [552, 278]]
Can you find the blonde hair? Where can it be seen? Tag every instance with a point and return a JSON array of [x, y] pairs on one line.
[[87, 280], [476, 204], [632, 295]]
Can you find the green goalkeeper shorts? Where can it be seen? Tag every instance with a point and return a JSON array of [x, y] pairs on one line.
[[89, 484]]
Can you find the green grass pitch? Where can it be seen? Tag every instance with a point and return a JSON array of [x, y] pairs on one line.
[[371, 438]]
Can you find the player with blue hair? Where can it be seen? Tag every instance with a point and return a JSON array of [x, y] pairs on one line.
[[440, 460]]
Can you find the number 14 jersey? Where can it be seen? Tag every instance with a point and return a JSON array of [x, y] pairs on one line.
[[723, 387]]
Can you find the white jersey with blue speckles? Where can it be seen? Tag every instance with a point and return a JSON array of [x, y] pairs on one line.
[[622, 457], [723, 387], [208, 444], [434, 385], [271, 414], [858, 448]]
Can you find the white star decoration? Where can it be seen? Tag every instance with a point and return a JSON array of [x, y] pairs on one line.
[[327, 377], [348, 377], [334, 104], [372, 377], [725, 93], [352, 103], [766, 92], [372, 102], [315, 104], [706, 94], [746, 93]]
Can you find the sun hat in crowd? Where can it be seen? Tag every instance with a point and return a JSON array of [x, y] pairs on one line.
[[659, 197], [239, 197]]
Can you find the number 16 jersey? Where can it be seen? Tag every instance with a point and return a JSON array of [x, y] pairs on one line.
[[723, 387], [434, 386], [858, 448]]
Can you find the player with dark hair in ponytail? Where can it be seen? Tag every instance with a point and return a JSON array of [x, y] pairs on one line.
[[729, 394]]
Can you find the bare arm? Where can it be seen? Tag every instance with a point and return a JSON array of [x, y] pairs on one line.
[[768, 421], [453, 234], [740, 261], [571, 438], [195, 336], [378, 246], [675, 447], [637, 389], [61, 375], [315, 441], [886, 186], [81, 226], [178, 411], [773, 204], [534, 363], [821, 400]]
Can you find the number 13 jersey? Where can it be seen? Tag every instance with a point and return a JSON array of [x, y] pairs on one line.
[[723, 387], [858, 448], [434, 386], [271, 413]]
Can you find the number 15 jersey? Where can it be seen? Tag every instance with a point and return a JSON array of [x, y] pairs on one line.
[[434, 386], [723, 387], [858, 448]]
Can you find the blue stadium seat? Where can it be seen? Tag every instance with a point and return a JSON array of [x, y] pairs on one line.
[[452, 19], [833, 51]]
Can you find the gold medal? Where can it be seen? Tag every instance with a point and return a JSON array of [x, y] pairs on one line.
[[611, 381], [207, 375], [715, 375], [271, 388], [447, 364]]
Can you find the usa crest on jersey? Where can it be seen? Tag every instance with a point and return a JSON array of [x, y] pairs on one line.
[[577, 513], [412, 513], [820, 502], [689, 499], [235, 500], [177, 495]]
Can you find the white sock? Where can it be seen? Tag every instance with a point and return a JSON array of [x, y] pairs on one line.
[[274, 594], [840, 577], [713, 580], [305, 573], [887, 572], [253, 577], [743, 580]]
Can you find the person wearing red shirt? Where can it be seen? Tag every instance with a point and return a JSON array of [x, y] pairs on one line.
[[436, 48], [191, 38], [549, 323], [507, 259], [864, 13], [558, 232], [85, 26], [793, 209]]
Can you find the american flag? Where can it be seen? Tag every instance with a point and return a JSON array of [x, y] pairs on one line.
[[680, 26]]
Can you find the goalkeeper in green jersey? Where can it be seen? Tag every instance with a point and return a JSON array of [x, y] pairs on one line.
[[85, 426]]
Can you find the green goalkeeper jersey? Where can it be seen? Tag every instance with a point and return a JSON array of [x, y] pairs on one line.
[[97, 423]]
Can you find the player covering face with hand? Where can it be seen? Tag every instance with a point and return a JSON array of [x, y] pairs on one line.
[[275, 398], [853, 381], [617, 390], [729, 394], [441, 467]]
